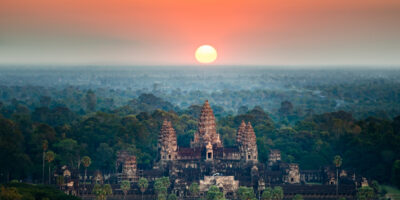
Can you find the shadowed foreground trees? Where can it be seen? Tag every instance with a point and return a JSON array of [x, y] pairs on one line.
[[214, 193], [50, 156], [194, 189], [102, 191], [143, 184], [337, 161], [86, 161], [246, 193], [29, 192], [125, 187], [161, 186], [366, 193]]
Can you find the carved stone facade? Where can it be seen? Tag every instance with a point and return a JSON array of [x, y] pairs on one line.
[[227, 184], [206, 129], [207, 145], [274, 157], [167, 143], [126, 167], [248, 144], [207, 162], [292, 174]]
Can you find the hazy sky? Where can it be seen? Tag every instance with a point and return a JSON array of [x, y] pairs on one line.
[[167, 32]]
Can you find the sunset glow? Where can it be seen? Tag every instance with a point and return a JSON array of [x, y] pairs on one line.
[[206, 54], [258, 32]]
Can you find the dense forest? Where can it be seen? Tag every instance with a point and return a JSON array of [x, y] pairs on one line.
[[370, 146], [309, 115]]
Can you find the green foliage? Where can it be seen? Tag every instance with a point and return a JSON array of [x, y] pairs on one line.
[[214, 193], [162, 196], [194, 189], [86, 161], [32, 192], [277, 193], [396, 173], [245, 193], [365, 193], [337, 161], [143, 184], [102, 191], [267, 194], [172, 197], [125, 186], [161, 186], [311, 140], [10, 193], [298, 197]]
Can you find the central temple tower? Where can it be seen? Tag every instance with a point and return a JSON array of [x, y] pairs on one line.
[[206, 129]]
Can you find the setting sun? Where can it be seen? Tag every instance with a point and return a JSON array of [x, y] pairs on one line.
[[206, 54]]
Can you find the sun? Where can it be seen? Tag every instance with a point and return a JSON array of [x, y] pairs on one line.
[[206, 54]]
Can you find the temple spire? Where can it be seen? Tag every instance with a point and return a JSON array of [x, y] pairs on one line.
[[240, 133], [206, 129], [167, 143], [248, 145]]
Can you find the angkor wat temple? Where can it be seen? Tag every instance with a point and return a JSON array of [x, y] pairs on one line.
[[207, 162]]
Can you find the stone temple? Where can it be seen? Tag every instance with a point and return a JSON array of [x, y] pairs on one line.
[[207, 162]]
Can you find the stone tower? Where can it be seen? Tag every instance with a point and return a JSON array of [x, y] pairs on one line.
[[167, 144], [240, 133], [248, 146], [129, 169], [206, 129]]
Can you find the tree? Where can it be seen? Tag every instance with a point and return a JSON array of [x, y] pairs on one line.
[[10, 193], [50, 155], [194, 189], [143, 184], [365, 193], [298, 197], [45, 145], [277, 193], [60, 181], [396, 173], [86, 161], [125, 187], [102, 191], [161, 186], [172, 197], [13, 161], [91, 101], [267, 194], [245, 193], [337, 160], [68, 150], [214, 193]]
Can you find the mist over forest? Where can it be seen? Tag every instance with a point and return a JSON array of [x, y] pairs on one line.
[[310, 115], [364, 92]]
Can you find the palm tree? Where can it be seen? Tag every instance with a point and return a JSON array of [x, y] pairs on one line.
[[45, 145], [277, 193], [143, 184], [337, 160], [194, 189], [60, 181], [50, 155], [267, 194], [102, 191], [125, 187], [86, 161]]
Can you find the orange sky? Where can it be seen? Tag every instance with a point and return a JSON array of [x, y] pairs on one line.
[[166, 32]]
